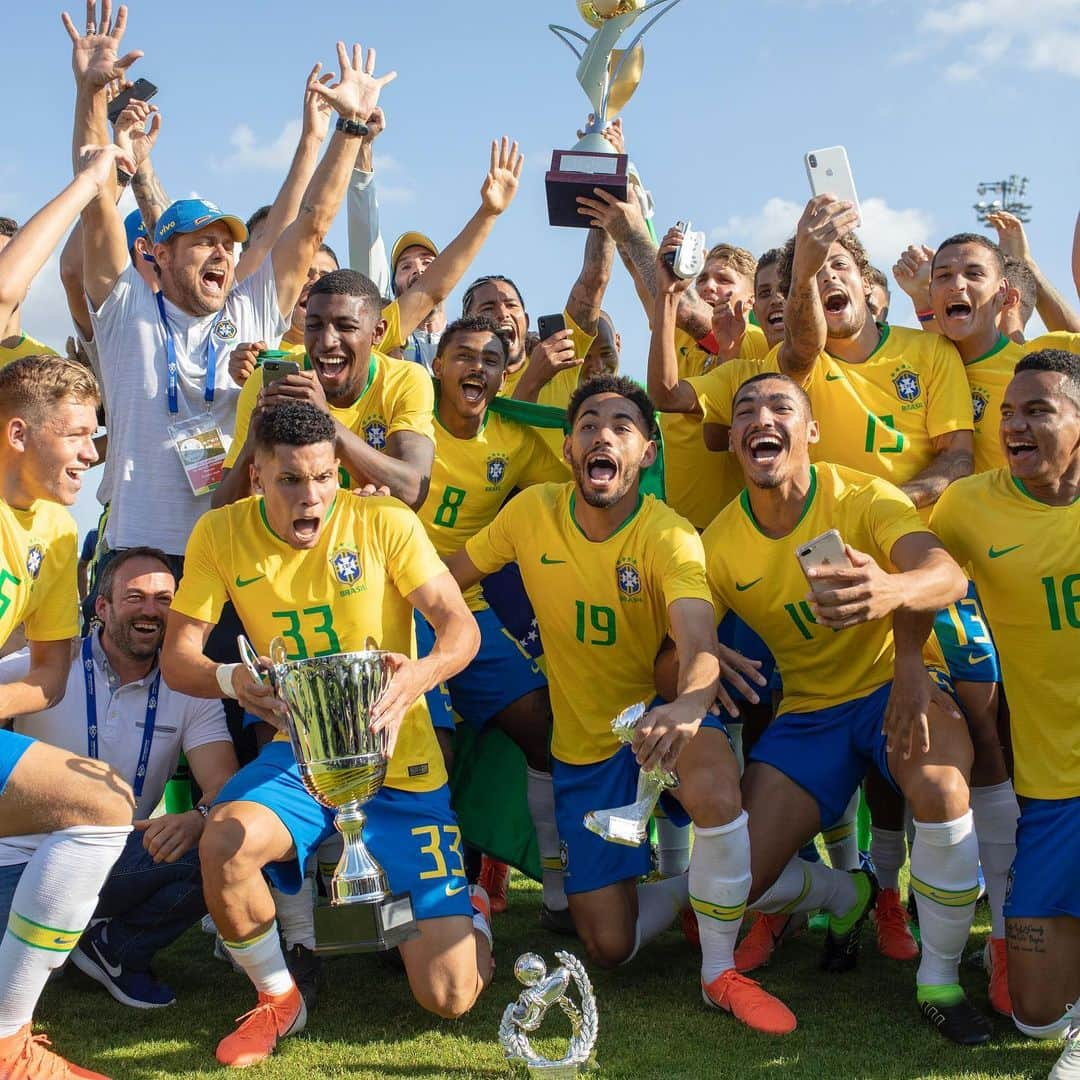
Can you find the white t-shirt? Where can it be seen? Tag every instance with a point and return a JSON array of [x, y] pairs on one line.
[[151, 499], [182, 723]]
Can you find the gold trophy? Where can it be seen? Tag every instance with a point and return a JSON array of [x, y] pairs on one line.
[[609, 77]]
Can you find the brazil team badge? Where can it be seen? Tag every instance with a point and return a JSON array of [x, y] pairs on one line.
[[34, 558], [375, 433], [626, 574], [345, 562], [979, 402], [497, 465], [907, 385]]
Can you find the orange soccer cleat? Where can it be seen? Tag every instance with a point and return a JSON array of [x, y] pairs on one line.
[[765, 935], [748, 1002], [893, 930], [25, 1056], [494, 880], [259, 1031], [995, 960]]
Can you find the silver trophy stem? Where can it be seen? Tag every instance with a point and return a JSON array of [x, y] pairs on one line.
[[358, 878], [628, 824]]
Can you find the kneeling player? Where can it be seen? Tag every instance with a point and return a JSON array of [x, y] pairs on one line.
[[610, 572], [326, 569], [844, 677]]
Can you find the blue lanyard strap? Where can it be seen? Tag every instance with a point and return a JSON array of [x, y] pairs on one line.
[[172, 368], [92, 723]]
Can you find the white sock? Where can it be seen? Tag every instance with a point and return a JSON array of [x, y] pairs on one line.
[[995, 811], [888, 852], [719, 885], [672, 846], [53, 902], [263, 961], [841, 840], [541, 798], [944, 876], [296, 914], [807, 886], [1047, 1031], [481, 918], [658, 906], [327, 857]]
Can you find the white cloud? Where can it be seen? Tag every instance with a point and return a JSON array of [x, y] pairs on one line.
[[249, 153], [885, 230]]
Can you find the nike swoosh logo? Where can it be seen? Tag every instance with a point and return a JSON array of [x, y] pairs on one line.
[[454, 892], [748, 585], [973, 659], [550, 562], [995, 553], [242, 582], [115, 971], [833, 378]]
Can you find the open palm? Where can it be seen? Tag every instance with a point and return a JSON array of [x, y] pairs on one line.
[[356, 93], [501, 182], [95, 55]]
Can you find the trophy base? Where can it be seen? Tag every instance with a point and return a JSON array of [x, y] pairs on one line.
[[616, 827], [352, 928], [577, 172]]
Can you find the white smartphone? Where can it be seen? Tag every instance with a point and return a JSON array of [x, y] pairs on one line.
[[824, 550], [830, 172]]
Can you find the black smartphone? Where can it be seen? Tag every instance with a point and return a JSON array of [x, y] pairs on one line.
[[548, 325], [277, 369], [141, 90]]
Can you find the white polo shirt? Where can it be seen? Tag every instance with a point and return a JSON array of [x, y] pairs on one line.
[[151, 499], [182, 723]]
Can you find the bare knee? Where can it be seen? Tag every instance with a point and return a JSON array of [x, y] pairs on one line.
[[607, 947], [939, 795], [114, 802], [449, 998], [710, 805], [230, 848]]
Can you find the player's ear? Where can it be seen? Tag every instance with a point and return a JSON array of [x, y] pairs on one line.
[[15, 432], [256, 480], [565, 447], [813, 431], [649, 454]]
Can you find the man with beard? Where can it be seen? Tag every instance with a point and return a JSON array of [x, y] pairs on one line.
[[856, 691], [328, 571], [168, 393], [118, 711], [611, 573], [1014, 528], [480, 457]]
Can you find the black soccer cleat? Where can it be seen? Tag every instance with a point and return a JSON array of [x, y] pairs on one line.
[[960, 1022], [557, 922], [308, 973], [841, 951]]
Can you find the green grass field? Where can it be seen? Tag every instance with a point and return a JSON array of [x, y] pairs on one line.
[[653, 1023]]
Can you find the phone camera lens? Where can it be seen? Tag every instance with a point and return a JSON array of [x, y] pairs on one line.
[[828, 172], [813, 161]]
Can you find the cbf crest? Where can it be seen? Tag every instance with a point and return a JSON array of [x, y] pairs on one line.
[[628, 578], [226, 330], [979, 401], [375, 433], [34, 558], [345, 562], [497, 465], [906, 382]]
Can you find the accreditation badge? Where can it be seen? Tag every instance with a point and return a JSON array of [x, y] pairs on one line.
[[201, 447]]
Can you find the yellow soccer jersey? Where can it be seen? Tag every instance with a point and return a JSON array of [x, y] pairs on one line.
[[471, 479], [373, 552], [602, 607], [27, 346], [393, 338], [699, 482], [1024, 558], [988, 376], [398, 396], [38, 555], [760, 579]]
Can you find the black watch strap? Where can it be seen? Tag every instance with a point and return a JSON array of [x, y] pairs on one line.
[[351, 127]]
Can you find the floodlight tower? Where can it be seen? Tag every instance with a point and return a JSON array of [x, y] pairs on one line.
[[1009, 195]]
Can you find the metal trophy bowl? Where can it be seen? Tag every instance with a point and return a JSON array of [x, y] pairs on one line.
[[343, 764], [629, 825], [609, 77]]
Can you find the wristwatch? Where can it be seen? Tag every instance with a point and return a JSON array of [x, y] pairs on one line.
[[204, 810], [351, 127]]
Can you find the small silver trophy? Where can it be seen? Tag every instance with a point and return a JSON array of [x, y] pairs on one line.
[[343, 764], [542, 991], [629, 825]]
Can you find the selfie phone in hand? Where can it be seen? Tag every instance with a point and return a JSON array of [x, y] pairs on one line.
[[549, 325], [277, 369], [830, 172], [141, 90], [824, 550]]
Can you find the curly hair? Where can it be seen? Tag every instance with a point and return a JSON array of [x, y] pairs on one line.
[[622, 385], [298, 423], [474, 324], [349, 283], [8, 226], [851, 243]]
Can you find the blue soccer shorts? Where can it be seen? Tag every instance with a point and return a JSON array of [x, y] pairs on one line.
[[1044, 881], [414, 835], [964, 637], [12, 747]]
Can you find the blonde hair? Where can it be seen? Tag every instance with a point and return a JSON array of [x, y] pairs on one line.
[[739, 259], [31, 385]]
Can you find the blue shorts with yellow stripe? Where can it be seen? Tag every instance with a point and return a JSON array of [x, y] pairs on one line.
[[414, 835], [12, 747], [588, 861], [500, 674], [827, 752], [1044, 881], [964, 637]]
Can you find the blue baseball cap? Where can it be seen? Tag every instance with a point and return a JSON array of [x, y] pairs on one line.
[[134, 228], [190, 215]]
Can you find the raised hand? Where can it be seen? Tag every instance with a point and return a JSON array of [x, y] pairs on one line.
[[825, 220], [501, 183], [356, 93], [376, 124], [317, 109], [667, 281], [912, 274], [99, 164], [131, 133], [95, 55], [1011, 236], [620, 220]]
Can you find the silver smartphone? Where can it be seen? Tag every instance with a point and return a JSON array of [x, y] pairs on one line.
[[830, 172], [824, 550]]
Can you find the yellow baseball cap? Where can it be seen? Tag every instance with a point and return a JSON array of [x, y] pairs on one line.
[[408, 240]]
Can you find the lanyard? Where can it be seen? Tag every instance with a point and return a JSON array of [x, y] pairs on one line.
[[172, 367], [91, 717]]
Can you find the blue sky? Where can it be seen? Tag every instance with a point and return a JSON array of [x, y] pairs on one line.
[[929, 97]]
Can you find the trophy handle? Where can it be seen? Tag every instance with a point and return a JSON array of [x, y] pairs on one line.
[[561, 31], [641, 33]]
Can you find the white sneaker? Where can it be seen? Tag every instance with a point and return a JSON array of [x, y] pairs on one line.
[[1067, 1067]]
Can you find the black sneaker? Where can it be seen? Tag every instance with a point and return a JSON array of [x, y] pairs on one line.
[[558, 922], [308, 973], [960, 1022], [841, 951]]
